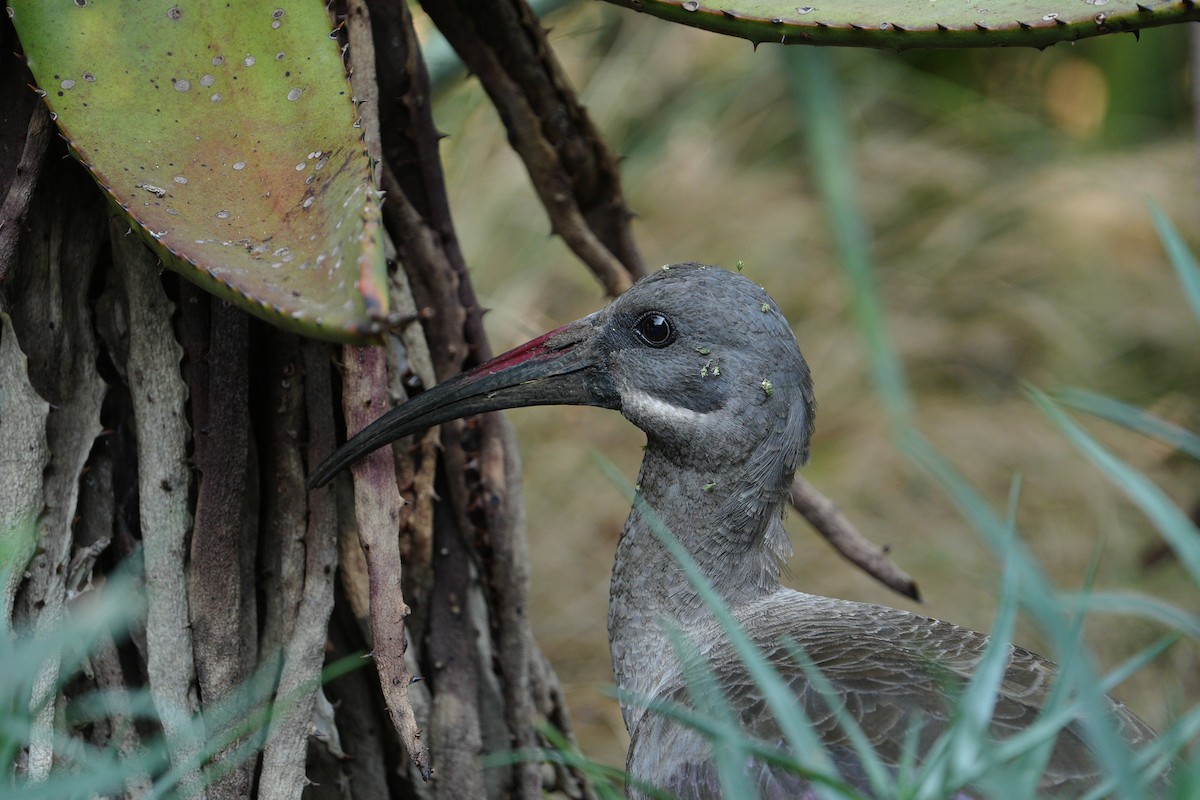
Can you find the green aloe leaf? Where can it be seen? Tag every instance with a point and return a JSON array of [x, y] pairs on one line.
[[226, 132], [905, 24]]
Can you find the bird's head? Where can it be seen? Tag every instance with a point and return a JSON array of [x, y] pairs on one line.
[[699, 358]]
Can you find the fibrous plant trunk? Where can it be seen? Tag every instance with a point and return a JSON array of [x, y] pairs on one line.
[[161, 432]]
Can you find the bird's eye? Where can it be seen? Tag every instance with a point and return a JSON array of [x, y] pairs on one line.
[[655, 329]]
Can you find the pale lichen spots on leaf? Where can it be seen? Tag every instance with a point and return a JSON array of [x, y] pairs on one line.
[[179, 179], [239, 165], [207, 80], [300, 167], [68, 84], [294, 94], [346, 202], [174, 13], [218, 60], [89, 77], [248, 61], [182, 85], [216, 98], [157, 191], [222, 215], [279, 56]]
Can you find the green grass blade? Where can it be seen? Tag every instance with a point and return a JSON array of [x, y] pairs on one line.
[[1131, 417], [818, 97], [1063, 713], [788, 714], [978, 701], [1181, 257], [1137, 662], [606, 780], [768, 754], [1040, 600], [882, 784], [1138, 605], [1173, 524], [728, 748]]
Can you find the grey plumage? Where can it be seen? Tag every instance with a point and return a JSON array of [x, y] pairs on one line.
[[703, 362]]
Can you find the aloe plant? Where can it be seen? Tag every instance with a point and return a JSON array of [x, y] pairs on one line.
[[227, 134], [147, 420], [909, 24]]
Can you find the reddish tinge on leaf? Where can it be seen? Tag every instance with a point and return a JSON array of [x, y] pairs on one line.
[[227, 133]]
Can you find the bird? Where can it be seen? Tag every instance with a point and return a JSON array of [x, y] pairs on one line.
[[703, 361]]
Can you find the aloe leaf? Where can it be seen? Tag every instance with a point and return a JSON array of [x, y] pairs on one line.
[[907, 24], [226, 132]]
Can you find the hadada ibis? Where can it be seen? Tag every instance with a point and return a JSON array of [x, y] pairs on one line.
[[702, 360]]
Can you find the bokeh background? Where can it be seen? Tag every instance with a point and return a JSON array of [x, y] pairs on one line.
[[1006, 192]]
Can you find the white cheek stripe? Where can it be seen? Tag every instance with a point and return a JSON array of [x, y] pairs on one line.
[[646, 405]]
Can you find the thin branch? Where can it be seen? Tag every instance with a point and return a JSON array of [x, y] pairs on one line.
[[572, 170], [377, 511], [23, 415], [219, 599], [824, 515], [20, 191], [57, 272], [306, 600], [377, 501], [159, 399], [455, 725]]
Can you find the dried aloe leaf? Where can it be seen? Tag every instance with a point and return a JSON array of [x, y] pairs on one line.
[[906, 24], [227, 133]]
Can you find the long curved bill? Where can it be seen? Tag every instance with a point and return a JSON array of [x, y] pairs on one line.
[[557, 368]]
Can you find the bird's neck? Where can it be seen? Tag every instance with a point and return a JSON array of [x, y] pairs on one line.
[[730, 523]]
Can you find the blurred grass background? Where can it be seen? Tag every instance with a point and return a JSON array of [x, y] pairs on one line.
[[1006, 194]]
